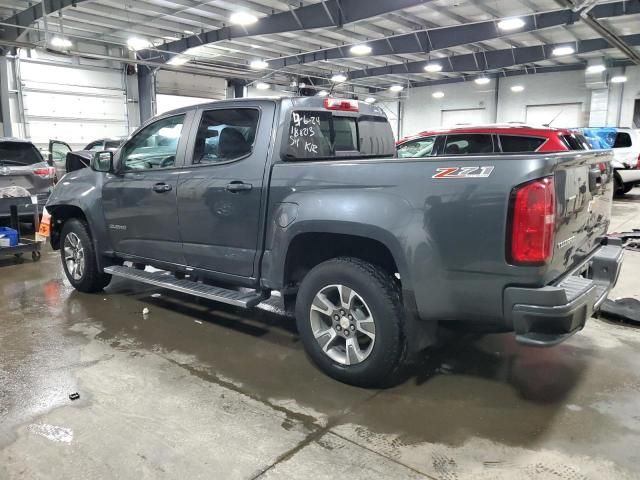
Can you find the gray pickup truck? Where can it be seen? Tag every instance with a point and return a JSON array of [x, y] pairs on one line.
[[234, 200]]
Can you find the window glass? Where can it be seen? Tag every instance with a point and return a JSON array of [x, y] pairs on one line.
[[346, 134], [468, 144], [94, 146], [155, 146], [623, 140], [417, 148], [225, 135], [575, 142], [18, 153], [112, 144], [515, 144]]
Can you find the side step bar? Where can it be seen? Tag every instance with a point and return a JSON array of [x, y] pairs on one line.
[[168, 281]]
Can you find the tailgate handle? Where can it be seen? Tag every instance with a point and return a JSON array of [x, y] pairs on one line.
[[595, 179], [161, 187]]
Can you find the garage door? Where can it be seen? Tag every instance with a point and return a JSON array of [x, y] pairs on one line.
[[72, 103], [178, 89], [472, 116], [164, 103], [559, 115]]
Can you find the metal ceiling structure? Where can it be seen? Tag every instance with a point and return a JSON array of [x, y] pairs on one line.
[[311, 40]]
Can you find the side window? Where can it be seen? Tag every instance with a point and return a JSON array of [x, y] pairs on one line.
[[417, 148], [225, 134], [623, 140], [94, 146], [155, 146], [515, 144], [468, 144]]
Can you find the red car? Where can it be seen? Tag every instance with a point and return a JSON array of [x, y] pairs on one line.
[[483, 140]]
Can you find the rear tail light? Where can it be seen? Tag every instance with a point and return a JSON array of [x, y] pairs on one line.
[[638, 162], [45, 172], [533, 222], [342, 104]]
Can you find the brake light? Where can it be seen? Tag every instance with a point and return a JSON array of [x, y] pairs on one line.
[[44, 172], [342, 104], [533, 222]]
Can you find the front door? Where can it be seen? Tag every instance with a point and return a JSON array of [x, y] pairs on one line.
[[220, 193], [139, 200], [58, 156]]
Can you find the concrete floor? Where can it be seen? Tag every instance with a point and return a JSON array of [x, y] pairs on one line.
[[198, 390]]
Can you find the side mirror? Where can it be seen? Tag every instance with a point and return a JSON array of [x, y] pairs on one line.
[[102, 161]]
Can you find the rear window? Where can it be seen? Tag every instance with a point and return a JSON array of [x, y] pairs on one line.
[[321, 135], [468, 144], [18, 153], [575, 142], [623, 140], [516, 144]]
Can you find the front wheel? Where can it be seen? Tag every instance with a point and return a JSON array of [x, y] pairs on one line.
[[79, 258], [351, 322]]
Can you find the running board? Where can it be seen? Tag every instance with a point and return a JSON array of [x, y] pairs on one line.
[[167, 280]]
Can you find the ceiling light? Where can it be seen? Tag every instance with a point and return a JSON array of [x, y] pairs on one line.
[[61, 42], [263, 86], [432, 67], [302, 84], [511, 24], [339, 78], [137, 43], [618, 79], [258, 65], [517, 88], [437, 94], [559, 51], [370, 100], [322, 93], [482, 80], [599, 68], [189, 32], [178, 60], [242, 18], [396, 88], [361, 49]]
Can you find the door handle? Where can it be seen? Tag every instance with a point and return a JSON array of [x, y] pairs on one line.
[[238, 186], [161, 187]]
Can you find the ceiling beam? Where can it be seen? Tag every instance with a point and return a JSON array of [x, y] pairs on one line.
[[31, 15], [328, 13], [425, 41], [493, 60]]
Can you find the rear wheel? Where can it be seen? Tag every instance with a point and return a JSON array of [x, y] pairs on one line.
[[351, 322], [627, 187], [79, 258], [618, 185]]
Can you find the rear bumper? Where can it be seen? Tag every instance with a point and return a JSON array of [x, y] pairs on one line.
[[546, 316]]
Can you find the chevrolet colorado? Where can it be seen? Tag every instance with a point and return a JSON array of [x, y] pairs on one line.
[[237, 199]]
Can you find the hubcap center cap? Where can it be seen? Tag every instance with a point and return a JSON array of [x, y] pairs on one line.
[[344, 322]]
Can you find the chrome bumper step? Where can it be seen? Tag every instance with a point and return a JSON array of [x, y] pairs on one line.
[[167, 280]]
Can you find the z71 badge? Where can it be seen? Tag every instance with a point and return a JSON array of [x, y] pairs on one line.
[[463, 172]]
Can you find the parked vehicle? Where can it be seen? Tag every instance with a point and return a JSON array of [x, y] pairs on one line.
[[625, 143], [373, 253], [64, 159], [21, 165], [487, 139]]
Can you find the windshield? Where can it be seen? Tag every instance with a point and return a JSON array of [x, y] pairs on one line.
[[18, 154]]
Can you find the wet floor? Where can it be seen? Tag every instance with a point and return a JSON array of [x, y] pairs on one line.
[[199, 390]]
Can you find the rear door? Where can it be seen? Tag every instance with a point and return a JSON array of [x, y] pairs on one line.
[[139, 201], [221, 191], [21, 165], [623, 150]]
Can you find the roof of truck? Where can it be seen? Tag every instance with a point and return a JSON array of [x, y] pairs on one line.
[[14, 139]]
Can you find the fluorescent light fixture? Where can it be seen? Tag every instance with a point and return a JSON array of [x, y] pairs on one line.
[[482, 80], [370, 100], [189, 32], [517, 88], [597, 68], [322, 93], [61, 42], [263, 86], [396, 88], [362, 49], [339, 78], [137, 43], [258, 65], [178, 60], [618, 79], [242, 18], [432, 67], [511, 24], [559, 51], [437, 94]]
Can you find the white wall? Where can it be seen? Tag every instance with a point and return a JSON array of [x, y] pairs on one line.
[[422, 111]]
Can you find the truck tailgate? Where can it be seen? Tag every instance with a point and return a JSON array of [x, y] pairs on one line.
[[584, 190]]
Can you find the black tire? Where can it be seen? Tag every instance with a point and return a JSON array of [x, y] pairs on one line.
[[627, 188], [92, 278], [618, 185], [376, 287]]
